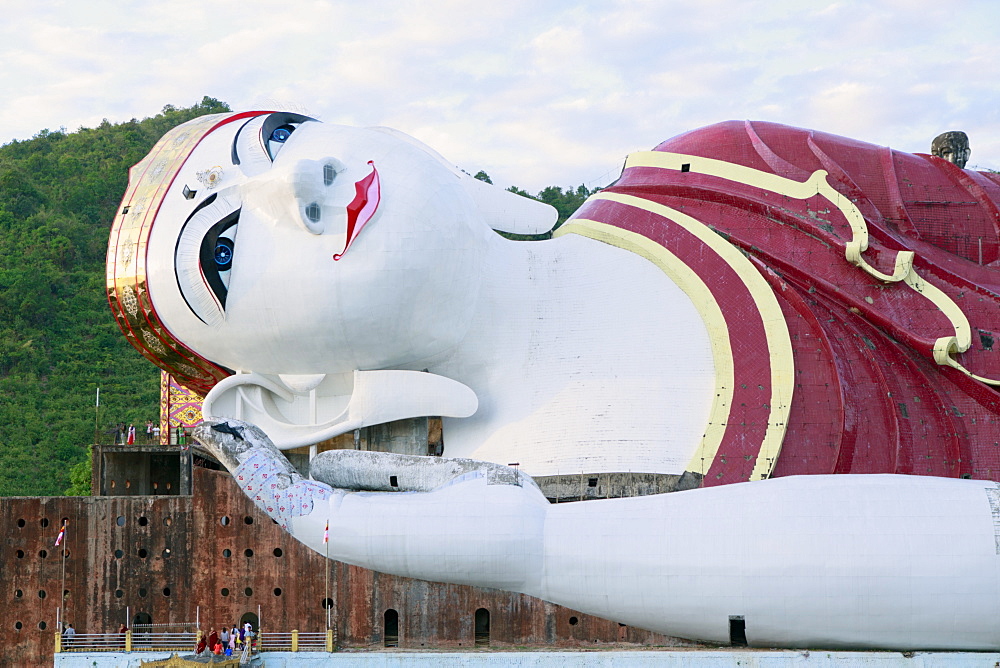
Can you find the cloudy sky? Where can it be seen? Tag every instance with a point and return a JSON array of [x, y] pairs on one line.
[[536, 93]]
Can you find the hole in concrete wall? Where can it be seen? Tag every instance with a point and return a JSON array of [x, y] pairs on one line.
[[65, 594], [167, 521], [119, 593], [227, 553], [19, 554], [120, 521], [18, 625], [119, 554], [278, 552], [225, 591], [224, 520], [247, 520], [591, 482], [277, 591], [18, 593], [573, 621], [393, 481], [21, 523], [482, 622], [44, 522], [41, 626], [143, 553], [166, 553], [686, 167], [390, 628], [326, 603], [248, 552], [248, 591], [142, 592], [737, 631], [41, 593], [42, 554], [143, 521], [166, 591]]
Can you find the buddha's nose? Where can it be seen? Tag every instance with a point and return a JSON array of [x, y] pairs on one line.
[[301, 192]]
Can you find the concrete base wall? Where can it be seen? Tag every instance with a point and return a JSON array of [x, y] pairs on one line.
[[598, 659]]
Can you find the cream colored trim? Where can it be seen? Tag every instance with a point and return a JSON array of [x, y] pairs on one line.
[[692, 285], [903, 271], [816, 184]]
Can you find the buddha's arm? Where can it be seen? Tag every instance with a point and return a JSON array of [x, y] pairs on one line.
[[446, 520], [810, 559]]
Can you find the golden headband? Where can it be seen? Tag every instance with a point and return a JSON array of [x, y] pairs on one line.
[[128, 292]]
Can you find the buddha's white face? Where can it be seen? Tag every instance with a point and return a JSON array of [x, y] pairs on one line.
[[249, 279]]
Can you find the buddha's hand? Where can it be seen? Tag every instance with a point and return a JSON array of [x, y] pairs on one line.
[[451, 520]]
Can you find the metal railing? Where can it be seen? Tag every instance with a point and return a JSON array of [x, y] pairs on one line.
[[185, 641], [155, 641], [296, 641]]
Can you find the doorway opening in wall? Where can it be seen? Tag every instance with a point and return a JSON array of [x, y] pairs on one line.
[[253, 619], [737, 631], [390, 628], [482, 627], [142, 627]]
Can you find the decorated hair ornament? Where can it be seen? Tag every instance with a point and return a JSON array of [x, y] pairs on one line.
[[211, 177], [128, 293]]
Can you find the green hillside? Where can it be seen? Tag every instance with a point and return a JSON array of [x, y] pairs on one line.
[[58, 341]]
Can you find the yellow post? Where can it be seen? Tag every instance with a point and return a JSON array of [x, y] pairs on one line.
[[128, 640], [295, 640], [329, 640], [260, 640], [58, 642]]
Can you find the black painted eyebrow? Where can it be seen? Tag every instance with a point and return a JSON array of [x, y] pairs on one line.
[[236, 156]]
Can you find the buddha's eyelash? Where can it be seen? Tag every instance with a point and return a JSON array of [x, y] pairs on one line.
[[202, 288]]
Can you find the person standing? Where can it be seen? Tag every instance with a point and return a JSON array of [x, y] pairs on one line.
[[68, 635], [131, 435]]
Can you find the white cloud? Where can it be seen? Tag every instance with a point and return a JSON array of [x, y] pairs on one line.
[[535, 93]]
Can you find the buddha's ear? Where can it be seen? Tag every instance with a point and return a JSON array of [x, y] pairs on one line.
[[302, 410], [500, 209]]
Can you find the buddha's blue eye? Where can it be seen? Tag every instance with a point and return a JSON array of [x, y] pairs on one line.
[[282, 134], [223, 254]]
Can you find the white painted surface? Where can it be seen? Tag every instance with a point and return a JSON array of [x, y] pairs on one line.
[[841, 561], [575, 369], [568, 659]]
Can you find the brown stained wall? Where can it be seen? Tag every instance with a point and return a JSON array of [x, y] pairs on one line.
[[196, 571]]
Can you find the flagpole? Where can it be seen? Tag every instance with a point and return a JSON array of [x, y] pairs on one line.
[[62, 587], [97, 409], [328, 601]]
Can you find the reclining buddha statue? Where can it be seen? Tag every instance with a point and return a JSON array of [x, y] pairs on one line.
[[748, 311]]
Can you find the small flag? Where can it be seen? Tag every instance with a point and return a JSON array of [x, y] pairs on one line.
[[326, 533], [62, 534]]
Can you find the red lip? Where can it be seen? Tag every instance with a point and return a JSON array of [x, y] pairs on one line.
[[368, 194]]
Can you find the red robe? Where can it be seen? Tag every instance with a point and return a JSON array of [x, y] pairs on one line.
[[868, 395]]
